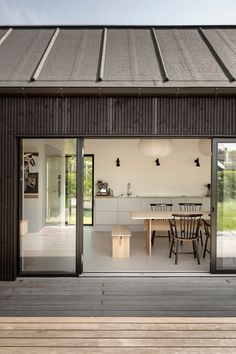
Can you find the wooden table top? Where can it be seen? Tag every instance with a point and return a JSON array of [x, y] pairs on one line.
[[162, 215]]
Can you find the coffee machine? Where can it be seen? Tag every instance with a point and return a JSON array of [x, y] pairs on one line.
[[102, 188]]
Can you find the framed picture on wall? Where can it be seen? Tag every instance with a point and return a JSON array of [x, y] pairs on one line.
[[31, 174]]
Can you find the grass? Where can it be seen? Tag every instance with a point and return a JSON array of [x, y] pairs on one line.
[[87, 217], [226, 215]]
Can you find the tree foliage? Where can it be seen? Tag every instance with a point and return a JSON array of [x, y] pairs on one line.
[[226, 186]]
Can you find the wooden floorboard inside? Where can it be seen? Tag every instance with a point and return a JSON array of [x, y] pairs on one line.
[[114, 315]]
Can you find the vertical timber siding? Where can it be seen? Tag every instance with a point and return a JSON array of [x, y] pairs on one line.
[[94, 116]]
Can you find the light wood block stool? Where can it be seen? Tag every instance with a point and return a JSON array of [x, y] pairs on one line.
[[120, 241]]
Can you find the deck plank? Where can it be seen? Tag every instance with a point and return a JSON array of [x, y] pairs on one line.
[[128, 315], [117, 334], [121, 342]]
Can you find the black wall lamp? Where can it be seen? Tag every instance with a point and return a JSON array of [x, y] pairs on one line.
[[157, 162], [117, 162], [197, 162]]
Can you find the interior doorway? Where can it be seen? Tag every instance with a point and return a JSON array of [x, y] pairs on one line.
[[50, 227], [133, 184]]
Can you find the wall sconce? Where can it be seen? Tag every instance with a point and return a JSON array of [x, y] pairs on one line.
[[118, 162], [157, 162], [197, 162]]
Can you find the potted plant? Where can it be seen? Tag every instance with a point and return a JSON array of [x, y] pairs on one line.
[[208, 186]]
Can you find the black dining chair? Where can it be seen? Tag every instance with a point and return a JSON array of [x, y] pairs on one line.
[[157, 225], [184, 228], [207, 227], [190, 206]]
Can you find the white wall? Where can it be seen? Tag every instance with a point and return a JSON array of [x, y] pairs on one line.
[[177, 175], [34, 209]]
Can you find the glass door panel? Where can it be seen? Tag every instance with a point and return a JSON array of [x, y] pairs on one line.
[[71, 189], [226, 205], [88, 189], [47, 240]]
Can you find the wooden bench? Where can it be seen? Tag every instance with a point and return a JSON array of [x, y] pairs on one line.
[[120, 241]]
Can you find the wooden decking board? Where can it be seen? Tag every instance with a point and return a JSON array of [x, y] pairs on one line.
[[121, 342], [115, 314], [136, 350], [120, 320], [212, 327], [163, 316], [126, 350], [129, 297], [117, 334]]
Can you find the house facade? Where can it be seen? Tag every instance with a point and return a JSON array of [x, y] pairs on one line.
[[71, 85]]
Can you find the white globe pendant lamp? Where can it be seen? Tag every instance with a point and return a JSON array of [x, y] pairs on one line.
[[155, 147]]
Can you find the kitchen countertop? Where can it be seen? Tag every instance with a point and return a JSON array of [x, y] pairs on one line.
[[151, 196]]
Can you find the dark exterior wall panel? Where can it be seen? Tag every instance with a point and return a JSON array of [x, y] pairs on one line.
[[123, 116], [94, 117]]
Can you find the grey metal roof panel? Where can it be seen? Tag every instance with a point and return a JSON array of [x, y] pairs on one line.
[[187, 57], [124, 83], [130, 55], [20, 53], [123, 57], [2, 32], [73, 57], [224, 42]]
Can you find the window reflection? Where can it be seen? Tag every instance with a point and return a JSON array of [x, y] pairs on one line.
[[226, 206], [47, 241]]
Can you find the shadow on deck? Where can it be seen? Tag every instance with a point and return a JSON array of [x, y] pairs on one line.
[[119, 297]]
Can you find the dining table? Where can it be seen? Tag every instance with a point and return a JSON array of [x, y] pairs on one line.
[[150, 216]]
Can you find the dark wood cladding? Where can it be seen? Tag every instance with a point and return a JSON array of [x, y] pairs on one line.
[[94, 117], [121, 116]]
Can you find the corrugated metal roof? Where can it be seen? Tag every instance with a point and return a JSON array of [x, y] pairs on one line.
[[111, 60]]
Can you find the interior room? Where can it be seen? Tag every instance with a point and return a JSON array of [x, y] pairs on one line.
[[121, 177], [131, 174]]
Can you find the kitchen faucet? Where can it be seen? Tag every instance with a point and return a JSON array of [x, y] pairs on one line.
[[129, 192]]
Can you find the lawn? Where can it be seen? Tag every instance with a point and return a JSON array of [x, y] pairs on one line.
[[87, 217], [226, 215]]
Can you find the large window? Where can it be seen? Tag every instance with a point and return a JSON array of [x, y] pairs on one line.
[[71, 189], [226, 206], [48, 208]]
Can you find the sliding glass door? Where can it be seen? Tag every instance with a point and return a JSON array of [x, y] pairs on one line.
[[224, 206], [48, 207], [88, 189]]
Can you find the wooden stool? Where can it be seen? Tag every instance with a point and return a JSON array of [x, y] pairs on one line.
[[120, 241]]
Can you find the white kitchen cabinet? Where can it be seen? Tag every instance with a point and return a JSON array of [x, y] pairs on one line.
[[125, 219], [206, 203], [115, 210], [106, 204], [106, 218], [128, 204]]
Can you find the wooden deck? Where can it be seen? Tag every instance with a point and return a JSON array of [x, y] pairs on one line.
[[122, 297], [118, 315], [117, 335]]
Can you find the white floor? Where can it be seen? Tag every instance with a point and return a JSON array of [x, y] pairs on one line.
[[53, 249], [97, 256]]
